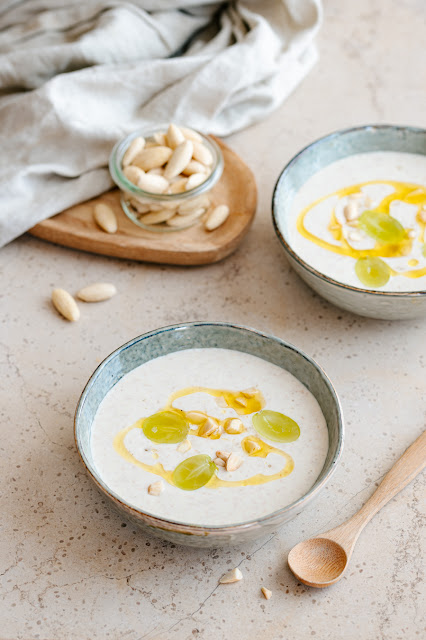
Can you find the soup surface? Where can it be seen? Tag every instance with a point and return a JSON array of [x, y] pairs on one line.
[[167, 419]]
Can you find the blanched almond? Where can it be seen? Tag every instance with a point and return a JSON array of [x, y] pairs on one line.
[[133, 174], [159, 138], [209, 427], [193, 214], [190, 134], [184, 221], [153, 184], [178, 186], [196, 417], [223, 454], [105, 218], [234, 462], [194, 203], [158, 171], [202, 154], [152, 158], [249, 393], [267, 593], [132, 151], [195, 180], [195, 167], [139, 206], [184, 446], [174, 136], [241, 400], [97, 292], [251, 446], [219, 462], [350, 211], [179, 159], [65, 304], [156, 217], [217, 217], [156, 488], [234, 575], [234, 425]]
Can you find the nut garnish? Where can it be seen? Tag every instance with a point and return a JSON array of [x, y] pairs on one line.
[[196, 417], [184, 446], [219, 462], [266, 592], [234, 425], [65, 304], [350, 211], [234, 575], [241, 400], [233, 462], [105, 217], [223, 454], [249, 393], [97, 292], [156, 488], [251, 446], [209, 427]]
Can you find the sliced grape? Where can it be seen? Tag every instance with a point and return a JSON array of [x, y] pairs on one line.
[[166, 427], [194, 472], [372, 271], [276, 426], [381, 226]]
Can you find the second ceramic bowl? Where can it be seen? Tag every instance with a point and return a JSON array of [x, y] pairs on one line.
[[208, 335], [366, 302]]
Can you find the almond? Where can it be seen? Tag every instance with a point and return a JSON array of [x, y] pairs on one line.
[[208, 428], [174, 136], [156, 217], [184, 446], [350, 211], [97, 292], [234, 575], [156, 488], [249, 393], [190, 134], [178, 186], [181, 156], [194, 167], [195, 180], [132, 150], [152, 184], [65, 304], [219, 462], [194, 203], [251, 446], [159, 138], [202, 154], [234, 425], [196, 417], [184, 221], [133, 174], [152, 158], [234, 462], [105, 218], [267, 593], [223, 454], [193, 214], [217, 217]]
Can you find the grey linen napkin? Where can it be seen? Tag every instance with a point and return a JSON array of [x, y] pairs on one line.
[[76, 76]]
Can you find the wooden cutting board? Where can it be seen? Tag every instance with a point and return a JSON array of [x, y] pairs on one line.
[[76, 228]]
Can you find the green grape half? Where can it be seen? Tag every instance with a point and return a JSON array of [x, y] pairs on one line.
[[166, 427], [194, 472], [373, 272], [381, 226], [276, 426]]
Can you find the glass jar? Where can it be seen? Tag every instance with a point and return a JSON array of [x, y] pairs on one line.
[[136, 202]]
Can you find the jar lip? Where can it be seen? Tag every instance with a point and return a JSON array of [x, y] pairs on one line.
[[122, 182]]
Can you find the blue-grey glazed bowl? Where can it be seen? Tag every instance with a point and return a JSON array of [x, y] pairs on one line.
[[385, 305], [208, 335]]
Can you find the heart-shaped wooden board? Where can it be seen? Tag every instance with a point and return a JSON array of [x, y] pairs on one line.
[[75, 227]]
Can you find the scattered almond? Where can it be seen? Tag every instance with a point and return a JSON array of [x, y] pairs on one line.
[[249, 393], [156, 488], [184, 446], [132, 151], [350, 211], [65, 304], [234, 575], [219, 462], [267, 593], [217, 217], [196, 417], [97, 292], [233, 462], [251, 446], [234, 425], [209, 427], [241, 400], [105, 218]]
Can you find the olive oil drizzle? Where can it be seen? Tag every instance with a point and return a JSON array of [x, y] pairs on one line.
[[409, 193], [255, 402]]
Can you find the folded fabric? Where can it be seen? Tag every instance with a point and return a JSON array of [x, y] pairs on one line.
[[75, 77]]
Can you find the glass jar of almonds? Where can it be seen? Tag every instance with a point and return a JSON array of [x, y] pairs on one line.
[[165, 174]]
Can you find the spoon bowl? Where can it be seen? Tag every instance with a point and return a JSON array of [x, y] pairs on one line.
[[318, 562]]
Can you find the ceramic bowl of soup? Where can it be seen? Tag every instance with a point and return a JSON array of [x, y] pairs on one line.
[[209, 434], [350, 212]]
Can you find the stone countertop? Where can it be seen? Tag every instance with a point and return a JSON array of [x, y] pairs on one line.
[[73, 569]]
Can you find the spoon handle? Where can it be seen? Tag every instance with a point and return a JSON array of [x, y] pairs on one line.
[[403, 471]]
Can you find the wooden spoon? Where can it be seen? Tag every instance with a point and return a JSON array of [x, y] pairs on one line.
[[323, 560]]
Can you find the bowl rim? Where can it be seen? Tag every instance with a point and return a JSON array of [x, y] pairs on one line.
[[300, 261], [197, 529]]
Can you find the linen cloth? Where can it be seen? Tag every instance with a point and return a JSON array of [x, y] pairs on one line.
[[76, 76]]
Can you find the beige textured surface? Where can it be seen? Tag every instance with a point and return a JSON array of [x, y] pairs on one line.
[[70, 568]]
